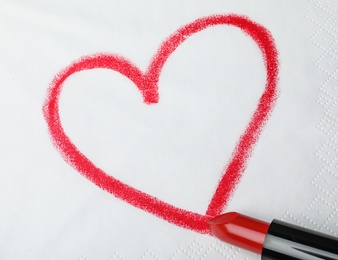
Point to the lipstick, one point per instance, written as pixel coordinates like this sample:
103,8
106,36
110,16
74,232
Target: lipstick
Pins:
275,240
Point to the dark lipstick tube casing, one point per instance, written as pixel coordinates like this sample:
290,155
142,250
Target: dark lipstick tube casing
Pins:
275,241
287,241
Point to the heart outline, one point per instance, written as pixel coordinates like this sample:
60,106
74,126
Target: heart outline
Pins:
147,83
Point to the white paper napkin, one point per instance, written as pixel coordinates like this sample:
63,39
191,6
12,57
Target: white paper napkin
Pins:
175,150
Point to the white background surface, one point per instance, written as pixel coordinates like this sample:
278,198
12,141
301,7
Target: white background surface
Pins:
49,211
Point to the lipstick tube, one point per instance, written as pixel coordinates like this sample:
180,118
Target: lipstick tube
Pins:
275,241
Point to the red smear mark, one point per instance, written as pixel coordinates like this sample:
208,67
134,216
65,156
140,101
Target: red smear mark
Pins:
147,84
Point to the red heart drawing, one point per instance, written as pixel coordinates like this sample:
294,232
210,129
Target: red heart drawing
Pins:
147,82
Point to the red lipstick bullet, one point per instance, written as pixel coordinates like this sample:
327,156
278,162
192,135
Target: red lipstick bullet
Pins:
275,241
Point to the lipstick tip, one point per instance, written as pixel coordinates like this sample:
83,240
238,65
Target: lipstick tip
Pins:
223,219
239,230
